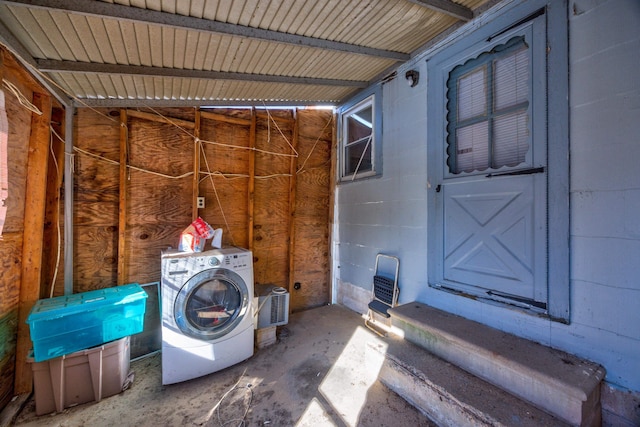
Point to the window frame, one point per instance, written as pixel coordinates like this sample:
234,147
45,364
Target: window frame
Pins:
370,98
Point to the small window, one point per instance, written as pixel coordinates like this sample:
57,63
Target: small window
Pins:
360,134
488,110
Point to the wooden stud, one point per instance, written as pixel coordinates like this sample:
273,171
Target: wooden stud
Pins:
122,203
252,180
156,118
285,120
196,164
34,211
293,167
226,119
55,178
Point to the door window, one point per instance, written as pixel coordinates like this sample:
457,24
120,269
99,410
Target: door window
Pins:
487,118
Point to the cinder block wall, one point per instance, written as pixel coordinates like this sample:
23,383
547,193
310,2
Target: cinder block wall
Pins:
388,213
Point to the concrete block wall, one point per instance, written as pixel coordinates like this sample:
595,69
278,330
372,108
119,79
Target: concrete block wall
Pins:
388,213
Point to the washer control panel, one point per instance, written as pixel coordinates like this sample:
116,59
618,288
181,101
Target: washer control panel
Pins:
241,260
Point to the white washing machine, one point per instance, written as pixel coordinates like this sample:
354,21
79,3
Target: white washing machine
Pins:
207,322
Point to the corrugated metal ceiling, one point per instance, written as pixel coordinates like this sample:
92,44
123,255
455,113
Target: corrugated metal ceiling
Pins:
208,52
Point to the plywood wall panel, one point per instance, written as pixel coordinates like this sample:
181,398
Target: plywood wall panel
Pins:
232,194
224,158
96,199
226,198
313,191
159,207
271,199
8,322
18,145
150,143
158,199
95,258
144,246
10,265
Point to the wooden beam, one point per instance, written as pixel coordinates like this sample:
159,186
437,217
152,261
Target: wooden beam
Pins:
226,119
34,211
293,167
52,242
252,179
266,116
196,165
122,203
160,119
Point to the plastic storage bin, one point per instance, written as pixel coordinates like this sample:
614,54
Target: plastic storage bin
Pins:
65,324
81,377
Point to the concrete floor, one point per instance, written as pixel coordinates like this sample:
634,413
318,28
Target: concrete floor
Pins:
315,375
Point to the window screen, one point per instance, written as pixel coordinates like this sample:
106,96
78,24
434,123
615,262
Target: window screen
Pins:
488,109
358,140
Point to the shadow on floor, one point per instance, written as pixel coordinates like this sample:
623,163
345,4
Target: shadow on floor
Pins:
315,375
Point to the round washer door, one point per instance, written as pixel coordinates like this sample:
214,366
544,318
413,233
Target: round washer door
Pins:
211,304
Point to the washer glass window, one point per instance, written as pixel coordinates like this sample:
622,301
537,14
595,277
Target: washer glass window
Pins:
211,304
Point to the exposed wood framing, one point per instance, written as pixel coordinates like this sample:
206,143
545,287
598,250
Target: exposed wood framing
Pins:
160,119
123,191
293,166
252,180
267,116
69,119
34,212
226,119
196,165
53,216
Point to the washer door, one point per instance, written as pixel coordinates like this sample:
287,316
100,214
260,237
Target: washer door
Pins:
211,304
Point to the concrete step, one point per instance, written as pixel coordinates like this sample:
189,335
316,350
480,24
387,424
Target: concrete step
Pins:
559,383
445,393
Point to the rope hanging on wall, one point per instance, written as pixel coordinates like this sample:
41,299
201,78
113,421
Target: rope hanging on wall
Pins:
21,98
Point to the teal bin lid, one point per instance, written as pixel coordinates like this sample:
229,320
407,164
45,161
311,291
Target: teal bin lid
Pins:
66,305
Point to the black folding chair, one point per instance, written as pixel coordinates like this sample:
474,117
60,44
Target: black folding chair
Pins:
385,294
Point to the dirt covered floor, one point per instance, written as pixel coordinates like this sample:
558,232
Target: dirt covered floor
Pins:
316,374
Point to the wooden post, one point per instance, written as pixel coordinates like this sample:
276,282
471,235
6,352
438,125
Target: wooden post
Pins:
34,211
52,242
196,165
252,174
122,204
293,167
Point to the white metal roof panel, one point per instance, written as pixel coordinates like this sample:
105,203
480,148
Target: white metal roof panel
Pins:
80,31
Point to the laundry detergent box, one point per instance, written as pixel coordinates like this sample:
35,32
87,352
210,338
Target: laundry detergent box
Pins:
65,324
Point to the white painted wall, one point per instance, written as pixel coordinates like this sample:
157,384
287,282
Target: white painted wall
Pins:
388,214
